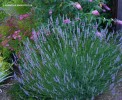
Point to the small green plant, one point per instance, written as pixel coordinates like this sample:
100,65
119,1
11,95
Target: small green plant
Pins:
2,14
4,70
15,7
68,62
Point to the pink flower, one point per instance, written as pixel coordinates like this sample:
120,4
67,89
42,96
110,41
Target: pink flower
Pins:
16,35
90,0
118,22
50,12
1,35
9,37
67,21
103,10
99,34
106,7
5,43
26,15
96,13
78,6
21,17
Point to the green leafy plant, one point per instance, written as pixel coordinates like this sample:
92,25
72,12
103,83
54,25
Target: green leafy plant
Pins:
4,70
15,7
39,14
43,9
67,62
13,31
15,26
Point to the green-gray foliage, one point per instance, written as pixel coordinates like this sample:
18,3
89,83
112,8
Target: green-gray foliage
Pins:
68,62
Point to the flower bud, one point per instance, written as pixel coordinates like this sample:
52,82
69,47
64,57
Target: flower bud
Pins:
78,6
106,7
118,22
95,12
90,0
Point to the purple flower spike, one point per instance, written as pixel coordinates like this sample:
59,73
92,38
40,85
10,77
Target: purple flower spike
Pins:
99,34
106,7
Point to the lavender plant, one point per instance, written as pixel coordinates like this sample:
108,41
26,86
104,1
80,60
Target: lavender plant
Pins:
70,63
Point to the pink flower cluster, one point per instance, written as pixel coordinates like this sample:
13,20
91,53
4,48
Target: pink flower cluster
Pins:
24,16
16,35
95,12
5,43
104,6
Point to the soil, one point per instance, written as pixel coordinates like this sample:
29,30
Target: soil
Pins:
4,95
114,94
3,92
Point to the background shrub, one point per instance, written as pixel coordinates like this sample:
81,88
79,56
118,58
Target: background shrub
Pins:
38,14
45,8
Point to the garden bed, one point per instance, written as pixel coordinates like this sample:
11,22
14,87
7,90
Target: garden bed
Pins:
64,50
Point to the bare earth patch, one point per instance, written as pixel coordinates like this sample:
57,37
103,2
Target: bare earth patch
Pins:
3,92
114,94
4,95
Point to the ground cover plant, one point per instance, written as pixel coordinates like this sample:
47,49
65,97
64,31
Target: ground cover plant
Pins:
68,63
4,70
